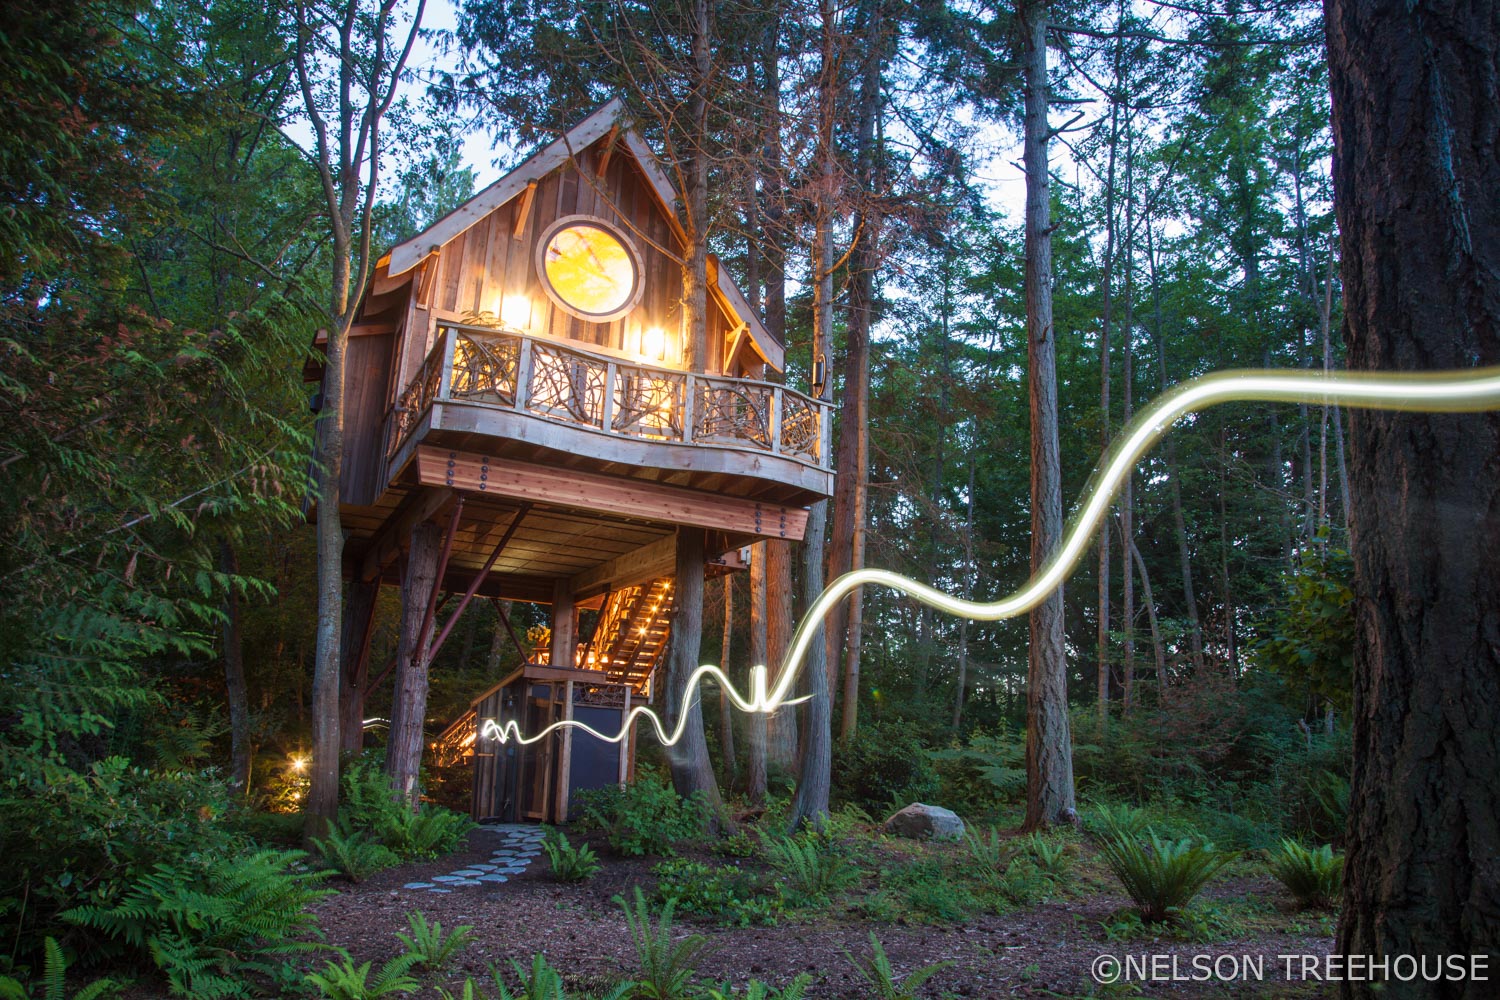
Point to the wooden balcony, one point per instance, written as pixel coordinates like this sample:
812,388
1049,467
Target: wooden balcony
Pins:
496,391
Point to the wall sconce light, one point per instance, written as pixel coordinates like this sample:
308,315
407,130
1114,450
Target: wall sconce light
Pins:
654,343
819,372
516,312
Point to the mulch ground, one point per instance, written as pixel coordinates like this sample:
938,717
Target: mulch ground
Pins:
1042,951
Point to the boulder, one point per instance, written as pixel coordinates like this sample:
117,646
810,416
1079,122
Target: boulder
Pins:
923,822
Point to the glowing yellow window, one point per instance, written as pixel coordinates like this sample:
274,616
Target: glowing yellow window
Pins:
589,268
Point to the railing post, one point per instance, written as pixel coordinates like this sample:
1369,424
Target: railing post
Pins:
775,420
523,374
825,431
445,377
608,416
688,407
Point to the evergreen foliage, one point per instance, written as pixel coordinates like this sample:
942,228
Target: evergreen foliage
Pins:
1314,876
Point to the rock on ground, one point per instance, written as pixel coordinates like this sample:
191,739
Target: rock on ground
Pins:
920,821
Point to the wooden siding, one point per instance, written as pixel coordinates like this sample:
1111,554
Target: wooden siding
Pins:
486,270
367,391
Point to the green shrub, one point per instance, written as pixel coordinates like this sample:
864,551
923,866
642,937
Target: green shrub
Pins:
878,973
352,853
1161,876
1313,877
926,887
541,982
724,893
813,866
428,946
75,837
208,923
343,980
667,966
882,766
54,980
982,774
1103,818
739,844
569,863
646,817
428,832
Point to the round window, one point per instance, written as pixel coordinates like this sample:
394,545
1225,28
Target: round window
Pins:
589,268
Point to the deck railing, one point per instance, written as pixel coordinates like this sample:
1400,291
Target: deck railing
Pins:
545,379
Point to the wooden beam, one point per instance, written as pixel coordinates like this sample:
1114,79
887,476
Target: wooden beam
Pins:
564,625
648,562
609,150
385,546
636,498
510,530
523,210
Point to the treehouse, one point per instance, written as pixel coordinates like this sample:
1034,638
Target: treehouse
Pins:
520,425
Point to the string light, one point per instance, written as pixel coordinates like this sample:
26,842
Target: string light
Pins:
1437,392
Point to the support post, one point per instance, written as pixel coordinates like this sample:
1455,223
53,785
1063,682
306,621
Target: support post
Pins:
409,703
565,756
564,625
359,626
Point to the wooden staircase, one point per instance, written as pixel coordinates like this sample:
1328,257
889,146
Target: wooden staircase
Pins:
632,634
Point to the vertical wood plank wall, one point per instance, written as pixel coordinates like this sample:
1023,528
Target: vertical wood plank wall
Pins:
484,268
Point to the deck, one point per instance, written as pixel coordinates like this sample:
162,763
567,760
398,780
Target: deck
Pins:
505,394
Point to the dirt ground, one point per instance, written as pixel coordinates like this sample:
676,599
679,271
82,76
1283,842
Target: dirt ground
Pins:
1041,951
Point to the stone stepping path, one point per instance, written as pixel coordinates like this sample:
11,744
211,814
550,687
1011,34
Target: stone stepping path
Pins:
520,845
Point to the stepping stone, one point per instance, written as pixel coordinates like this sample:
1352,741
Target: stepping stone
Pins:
447,878
417,885
494,877
439,890
467,881
467,873
484,868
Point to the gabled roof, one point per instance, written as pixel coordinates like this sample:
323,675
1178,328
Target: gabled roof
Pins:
404,256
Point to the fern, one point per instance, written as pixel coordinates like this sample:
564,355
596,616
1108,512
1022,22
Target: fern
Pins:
814,869
569,863
990,853
353,854
344,980
757,990
1161,876
882,977
53,982
429,946
666,965
206,924
1052,859
1314,877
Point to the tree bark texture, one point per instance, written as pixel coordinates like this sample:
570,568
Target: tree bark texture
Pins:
403,755
726,709
755,724
688,758
1416,169
1049,750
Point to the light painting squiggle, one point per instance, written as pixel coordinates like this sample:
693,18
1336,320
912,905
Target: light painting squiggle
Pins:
1438,392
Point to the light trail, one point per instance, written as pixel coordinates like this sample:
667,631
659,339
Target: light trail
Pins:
1437,392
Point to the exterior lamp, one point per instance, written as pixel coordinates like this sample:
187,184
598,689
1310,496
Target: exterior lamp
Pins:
516,312
819,371
654,343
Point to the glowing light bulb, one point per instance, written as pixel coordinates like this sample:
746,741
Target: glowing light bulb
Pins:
516,312
654,343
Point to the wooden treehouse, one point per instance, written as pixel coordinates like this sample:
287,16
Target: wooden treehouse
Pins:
520,425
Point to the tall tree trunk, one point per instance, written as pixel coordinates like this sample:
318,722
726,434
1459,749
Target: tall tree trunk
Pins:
1414,94
1106,282
755,724
1127,404
1049,750
1174,479
726,709
1158,652
853,415
688,758
810,803
781,727
963,625
403,755
235,690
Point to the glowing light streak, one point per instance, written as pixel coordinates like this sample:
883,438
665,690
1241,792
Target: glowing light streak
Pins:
1436,392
